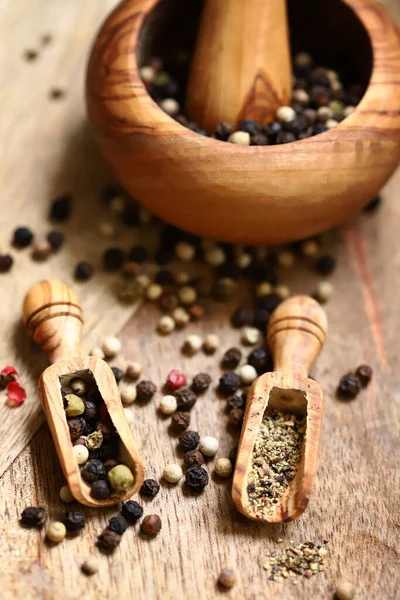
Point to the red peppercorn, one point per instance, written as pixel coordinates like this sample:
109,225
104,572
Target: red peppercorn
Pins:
176,379
15,393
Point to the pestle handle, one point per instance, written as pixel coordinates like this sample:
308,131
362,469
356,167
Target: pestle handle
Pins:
53,318
241,65
296,334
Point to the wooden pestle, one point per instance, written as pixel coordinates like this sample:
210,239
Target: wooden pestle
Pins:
241,65
296,334
53,317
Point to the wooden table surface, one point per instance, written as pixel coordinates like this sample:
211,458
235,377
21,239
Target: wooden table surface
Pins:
356,501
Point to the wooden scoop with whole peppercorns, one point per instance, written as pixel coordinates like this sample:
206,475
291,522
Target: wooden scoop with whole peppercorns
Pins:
53,317
278,449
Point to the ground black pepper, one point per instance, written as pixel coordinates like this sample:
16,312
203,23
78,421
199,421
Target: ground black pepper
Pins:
193,458
131,511
6,262
189,440
74,520
22,237
228,383
33,516
118,524
108,540
201,383
145,390
100,490
151,525
196,478
349,387
83,271
93,470
231,358
60,208
150,488
180,421
185,398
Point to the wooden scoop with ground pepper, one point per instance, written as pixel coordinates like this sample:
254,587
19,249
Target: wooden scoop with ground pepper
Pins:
278,449
81,401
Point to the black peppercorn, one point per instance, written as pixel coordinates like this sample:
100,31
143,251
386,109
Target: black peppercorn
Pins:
151,525
325,265
33,516
164,277
252,127
55,239
263,271
180,421
163,256
131,511
285,137
236,416
349,386
113,259
83,271
74,520
296,126
228,383
231,358
223,131
100,490
269,302
196,478
364,374
118,373
22,237
108,540
77,427
109,451
138,254
232,455
201,383
373,205
272,130
145,390
193,458
130,216
259,139
319,128
261,319
93,470
238,400
189,440
185,398
60,208
6,262
241,317
118,524
261,360
150,488
90,411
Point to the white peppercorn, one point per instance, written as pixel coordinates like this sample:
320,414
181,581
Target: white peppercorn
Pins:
192,344
336,86
81,454
310,248
129,415
286,259
223,467
65,494
143,280
90,565
166,324
154,291
285,114
147,74
250,336
324,291
181,317
263,289
56,532
98,352
240,137
282,290
170,106
208,445
78,386
215,256
211,343
108,229
345,590
349,110
247,374
185,251
243,260
133,370
128,393
172,473
331,123
301,96
111,346
187,295
324,113
181,277
168,405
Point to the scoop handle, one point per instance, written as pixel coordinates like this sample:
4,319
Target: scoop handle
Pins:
241,64
296,333
53,318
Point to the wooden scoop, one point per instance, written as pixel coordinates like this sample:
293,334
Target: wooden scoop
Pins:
53,317
296,334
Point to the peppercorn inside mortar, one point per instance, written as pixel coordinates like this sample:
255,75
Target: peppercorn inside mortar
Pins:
96,443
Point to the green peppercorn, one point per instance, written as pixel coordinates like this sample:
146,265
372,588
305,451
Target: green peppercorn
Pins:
75,406
120,478
94,440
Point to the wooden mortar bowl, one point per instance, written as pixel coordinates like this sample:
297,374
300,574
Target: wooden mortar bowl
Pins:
248,194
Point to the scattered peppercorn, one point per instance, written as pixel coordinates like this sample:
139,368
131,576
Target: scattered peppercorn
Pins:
233,455
172,473
185,398
364,374
228,383
60,208
201,382
118,524
138,254
22,237
74,520
90,565
193,458
349,387
223,467
231,358
196,478
345,590
83,271
145,390
175,379
131,511
238,400
325,265
118,373
227,578
108,540
236,416
33,516
6,262
151,525
241,317
55,239
261,360
150,488
180,421
113,259
189,440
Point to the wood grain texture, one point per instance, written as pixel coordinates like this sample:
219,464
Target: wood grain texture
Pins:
53,317
296,335
355,502
254,194
241,66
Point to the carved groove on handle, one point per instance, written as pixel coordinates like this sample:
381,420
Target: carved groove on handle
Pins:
51,304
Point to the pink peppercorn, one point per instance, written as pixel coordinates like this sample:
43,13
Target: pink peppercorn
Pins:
15,393
9,371
176,379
